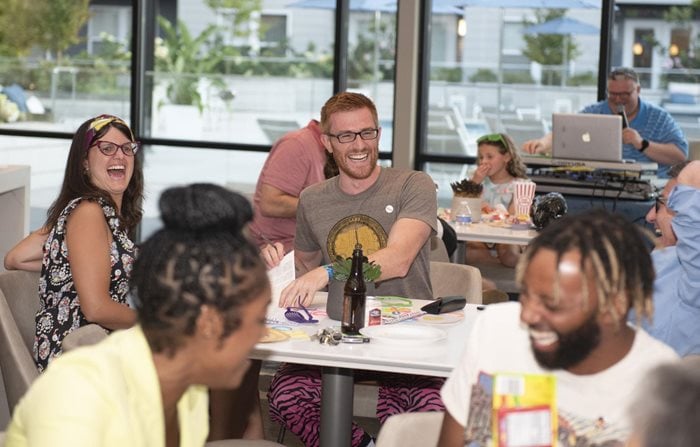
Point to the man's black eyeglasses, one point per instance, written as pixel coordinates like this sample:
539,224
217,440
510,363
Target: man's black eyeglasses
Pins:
349,137
660,200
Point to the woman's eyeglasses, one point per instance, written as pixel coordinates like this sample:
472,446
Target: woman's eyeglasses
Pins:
292,314
108,148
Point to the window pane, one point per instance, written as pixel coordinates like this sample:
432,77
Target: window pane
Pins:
46,158
250,71
506,75
169,166
372,60
443,174
658,40
66,73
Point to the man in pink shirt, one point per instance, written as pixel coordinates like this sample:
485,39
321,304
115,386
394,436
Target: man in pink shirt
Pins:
295,162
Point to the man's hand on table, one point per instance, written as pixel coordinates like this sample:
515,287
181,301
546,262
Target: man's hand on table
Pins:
303,289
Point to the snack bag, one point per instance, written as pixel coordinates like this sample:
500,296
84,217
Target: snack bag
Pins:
524,410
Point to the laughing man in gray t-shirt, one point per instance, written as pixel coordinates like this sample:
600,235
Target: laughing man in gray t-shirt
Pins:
392,211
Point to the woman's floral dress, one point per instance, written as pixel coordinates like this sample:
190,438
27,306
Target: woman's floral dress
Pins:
60,305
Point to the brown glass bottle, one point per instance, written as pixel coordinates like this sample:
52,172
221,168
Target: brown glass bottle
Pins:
355,296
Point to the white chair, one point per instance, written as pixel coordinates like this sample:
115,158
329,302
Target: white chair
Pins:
411,430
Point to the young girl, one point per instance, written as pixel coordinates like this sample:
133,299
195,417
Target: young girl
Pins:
499,165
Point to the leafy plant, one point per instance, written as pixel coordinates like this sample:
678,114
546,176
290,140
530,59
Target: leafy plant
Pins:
467,188
186,58
341,269
483,75
549,49
9,112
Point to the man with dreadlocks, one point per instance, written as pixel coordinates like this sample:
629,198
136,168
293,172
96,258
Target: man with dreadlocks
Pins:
578,280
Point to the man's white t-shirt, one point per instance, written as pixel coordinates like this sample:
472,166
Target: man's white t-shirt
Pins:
592,408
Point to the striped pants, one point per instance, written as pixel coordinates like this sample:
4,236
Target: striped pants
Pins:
295,399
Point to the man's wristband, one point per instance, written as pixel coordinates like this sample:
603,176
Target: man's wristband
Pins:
645,145
329,270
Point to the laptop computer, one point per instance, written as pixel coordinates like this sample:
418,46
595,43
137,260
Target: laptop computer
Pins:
587,137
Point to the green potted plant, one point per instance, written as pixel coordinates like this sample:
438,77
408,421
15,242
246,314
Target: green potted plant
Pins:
469,191
186,59
336,286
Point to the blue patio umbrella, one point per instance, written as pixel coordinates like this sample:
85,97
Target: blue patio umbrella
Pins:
355,5
545,4
377,7
389,6
523,4
563,26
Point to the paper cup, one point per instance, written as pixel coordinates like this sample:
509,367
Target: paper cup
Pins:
523,195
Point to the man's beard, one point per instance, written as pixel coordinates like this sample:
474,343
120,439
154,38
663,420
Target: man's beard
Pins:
573,347
355,172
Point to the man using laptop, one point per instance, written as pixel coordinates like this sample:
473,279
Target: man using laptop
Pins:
651,135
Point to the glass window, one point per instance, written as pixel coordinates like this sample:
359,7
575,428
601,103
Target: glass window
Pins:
514,68
240,73
68,70
46,158
445,173
642,51
108,25
657,40
513,36
274,39
170,166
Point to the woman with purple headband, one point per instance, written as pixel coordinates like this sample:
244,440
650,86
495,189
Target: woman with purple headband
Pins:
84,250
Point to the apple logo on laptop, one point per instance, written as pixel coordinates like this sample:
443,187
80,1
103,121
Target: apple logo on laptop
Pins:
586,137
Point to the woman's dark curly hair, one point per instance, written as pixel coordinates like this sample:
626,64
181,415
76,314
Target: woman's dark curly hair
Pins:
200,257
76,183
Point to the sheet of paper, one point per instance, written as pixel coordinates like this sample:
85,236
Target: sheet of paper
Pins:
280,277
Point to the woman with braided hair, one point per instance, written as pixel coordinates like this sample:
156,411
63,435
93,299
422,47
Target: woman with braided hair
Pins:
200,291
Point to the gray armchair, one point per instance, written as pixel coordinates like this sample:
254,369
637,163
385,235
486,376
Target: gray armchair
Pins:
19,302
456,279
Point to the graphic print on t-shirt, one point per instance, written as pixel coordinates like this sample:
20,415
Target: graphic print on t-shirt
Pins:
352,229
573,430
